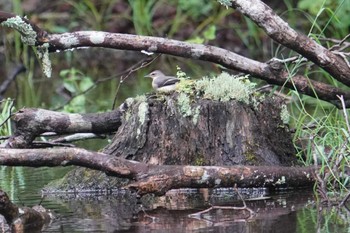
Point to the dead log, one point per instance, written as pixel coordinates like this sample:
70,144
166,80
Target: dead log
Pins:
24,218
158,179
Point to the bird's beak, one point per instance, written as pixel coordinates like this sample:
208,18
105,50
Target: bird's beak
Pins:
147,76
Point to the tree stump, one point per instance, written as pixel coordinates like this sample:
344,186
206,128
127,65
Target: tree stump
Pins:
166,129
211,122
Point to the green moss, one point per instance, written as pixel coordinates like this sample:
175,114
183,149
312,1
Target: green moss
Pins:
226,87
250,156
180,74
28,36
186,86
199,161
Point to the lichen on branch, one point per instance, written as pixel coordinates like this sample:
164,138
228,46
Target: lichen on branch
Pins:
43,55
28,34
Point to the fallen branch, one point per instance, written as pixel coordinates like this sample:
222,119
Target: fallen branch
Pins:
31,122
159,179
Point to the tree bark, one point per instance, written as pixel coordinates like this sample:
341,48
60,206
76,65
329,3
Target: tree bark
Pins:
207,132
31,122
158,179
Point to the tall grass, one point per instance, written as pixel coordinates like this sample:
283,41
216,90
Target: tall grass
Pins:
322,132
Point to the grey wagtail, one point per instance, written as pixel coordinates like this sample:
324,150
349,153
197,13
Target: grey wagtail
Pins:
161,82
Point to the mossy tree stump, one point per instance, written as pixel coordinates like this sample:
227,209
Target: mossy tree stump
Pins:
180,129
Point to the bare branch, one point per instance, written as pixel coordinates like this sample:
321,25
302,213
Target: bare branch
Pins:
279,30
31,122
231,60
159,179
6,83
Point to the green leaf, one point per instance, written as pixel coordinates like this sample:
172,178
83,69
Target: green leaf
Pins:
70,87
196,40
85,84
210,33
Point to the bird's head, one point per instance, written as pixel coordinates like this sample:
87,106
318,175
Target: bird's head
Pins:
154,74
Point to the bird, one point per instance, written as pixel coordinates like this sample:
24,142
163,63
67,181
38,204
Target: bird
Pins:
161,82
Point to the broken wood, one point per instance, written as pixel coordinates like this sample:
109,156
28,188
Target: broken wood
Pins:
21,219
31,122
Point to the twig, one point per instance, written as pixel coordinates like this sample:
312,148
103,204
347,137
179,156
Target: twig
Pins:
339,43
147,215
41,144
129,72
244,207
77,137
6,83
341,98
345,199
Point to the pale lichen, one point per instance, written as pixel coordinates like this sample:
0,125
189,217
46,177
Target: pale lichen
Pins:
142,112
184,104
226,87
133,101
142,115
226,3
97,37
43,55
196,114
281,180
28,35
139,98
285,116
68,40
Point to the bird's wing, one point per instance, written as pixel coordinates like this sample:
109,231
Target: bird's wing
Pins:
167,81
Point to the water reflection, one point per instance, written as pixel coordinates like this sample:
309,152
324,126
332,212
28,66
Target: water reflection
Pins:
122,211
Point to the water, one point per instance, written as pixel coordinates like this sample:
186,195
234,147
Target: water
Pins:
178,211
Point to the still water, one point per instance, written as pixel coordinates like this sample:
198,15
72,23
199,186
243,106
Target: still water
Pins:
178,211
